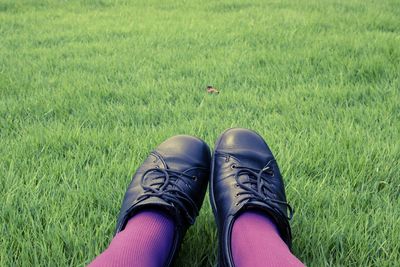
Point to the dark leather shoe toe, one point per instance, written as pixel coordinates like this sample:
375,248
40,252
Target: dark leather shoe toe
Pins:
240,138
173,179
245,176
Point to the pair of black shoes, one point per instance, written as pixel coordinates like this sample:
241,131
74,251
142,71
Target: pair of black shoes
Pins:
243,176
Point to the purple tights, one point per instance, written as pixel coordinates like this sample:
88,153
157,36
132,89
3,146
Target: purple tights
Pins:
255,242
147,240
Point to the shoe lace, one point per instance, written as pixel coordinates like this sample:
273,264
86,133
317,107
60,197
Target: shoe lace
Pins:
257,185
169,190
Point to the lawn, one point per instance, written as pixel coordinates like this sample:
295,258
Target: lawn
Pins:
88,88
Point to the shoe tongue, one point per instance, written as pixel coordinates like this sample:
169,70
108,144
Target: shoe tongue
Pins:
162,163
179,163
157,204
154,177
154,201
253,159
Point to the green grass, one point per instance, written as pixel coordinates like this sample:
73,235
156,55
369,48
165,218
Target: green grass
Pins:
88,88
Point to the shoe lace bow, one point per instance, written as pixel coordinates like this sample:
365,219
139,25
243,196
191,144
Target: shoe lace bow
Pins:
164,185
257,186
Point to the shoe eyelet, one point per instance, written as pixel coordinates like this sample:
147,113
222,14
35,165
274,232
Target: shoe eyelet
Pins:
236,185
157,167
194,178
227,158
233,166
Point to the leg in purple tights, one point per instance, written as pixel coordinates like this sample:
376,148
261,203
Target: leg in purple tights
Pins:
256,242
146,241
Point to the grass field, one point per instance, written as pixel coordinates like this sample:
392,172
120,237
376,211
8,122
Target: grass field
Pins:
88,88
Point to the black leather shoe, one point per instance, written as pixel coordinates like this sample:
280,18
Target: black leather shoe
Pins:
173,179
245,176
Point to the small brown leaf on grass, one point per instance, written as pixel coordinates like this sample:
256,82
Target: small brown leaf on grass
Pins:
211,90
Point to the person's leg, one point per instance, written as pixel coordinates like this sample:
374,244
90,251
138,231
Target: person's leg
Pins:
256,242
145,241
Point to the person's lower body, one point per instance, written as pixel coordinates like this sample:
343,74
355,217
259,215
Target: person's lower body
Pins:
166,193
